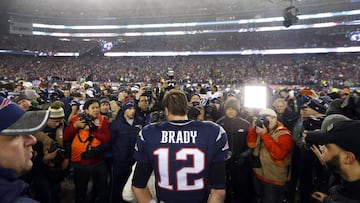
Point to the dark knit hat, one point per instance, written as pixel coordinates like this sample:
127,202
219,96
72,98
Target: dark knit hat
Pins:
105,100
232,102
56,111
127,102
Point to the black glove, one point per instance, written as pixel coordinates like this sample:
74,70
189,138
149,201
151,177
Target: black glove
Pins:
244,156
90,153
241,160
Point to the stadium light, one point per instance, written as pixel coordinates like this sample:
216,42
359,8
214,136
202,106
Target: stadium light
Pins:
290,16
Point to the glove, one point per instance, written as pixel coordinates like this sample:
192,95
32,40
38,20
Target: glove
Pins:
241,160
244,157
90,153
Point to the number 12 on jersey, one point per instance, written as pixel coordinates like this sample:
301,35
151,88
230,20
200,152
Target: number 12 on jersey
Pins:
184,154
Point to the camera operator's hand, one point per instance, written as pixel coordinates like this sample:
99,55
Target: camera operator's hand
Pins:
241,160
48,156
319,152
261,130
139,93
80,123
319,196
254,118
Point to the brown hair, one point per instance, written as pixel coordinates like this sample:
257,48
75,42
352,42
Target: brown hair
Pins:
176,102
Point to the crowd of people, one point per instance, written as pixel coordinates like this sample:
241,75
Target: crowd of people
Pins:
175,129
272,154
290,39
336,70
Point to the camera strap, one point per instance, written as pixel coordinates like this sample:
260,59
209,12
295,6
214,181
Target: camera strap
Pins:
259,149
86,140
89,139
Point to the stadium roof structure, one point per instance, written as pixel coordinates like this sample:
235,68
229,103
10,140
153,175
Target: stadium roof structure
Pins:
169,8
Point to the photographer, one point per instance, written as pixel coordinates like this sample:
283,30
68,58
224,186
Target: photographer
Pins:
340,153
52,157
195,110
313,176
239,187
90,135
271,143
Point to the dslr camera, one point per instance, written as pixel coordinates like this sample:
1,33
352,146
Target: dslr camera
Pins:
262,121
194,110
89,121
55,146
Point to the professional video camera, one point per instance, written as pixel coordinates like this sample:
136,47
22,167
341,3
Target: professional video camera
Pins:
89,121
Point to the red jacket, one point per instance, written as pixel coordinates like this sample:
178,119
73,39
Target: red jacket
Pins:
274,151
101,135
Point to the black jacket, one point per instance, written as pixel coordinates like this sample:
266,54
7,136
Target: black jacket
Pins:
347,192
236,130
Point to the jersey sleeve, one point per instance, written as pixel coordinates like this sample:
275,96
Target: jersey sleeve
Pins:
140,152
221,146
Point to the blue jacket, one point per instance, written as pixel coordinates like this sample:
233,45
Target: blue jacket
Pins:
123,139
12,189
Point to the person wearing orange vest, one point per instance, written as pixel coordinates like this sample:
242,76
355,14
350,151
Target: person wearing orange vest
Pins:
90,135
271,143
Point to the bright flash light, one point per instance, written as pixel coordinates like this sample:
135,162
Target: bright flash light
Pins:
255,97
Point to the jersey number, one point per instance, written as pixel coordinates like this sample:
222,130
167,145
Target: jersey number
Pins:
184,154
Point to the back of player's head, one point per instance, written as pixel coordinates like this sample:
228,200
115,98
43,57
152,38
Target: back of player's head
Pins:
176,102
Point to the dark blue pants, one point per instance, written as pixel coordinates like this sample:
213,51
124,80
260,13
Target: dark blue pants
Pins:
269,193
120,175
99,174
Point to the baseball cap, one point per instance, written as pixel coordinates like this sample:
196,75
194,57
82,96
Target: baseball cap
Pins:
15,121
345,134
